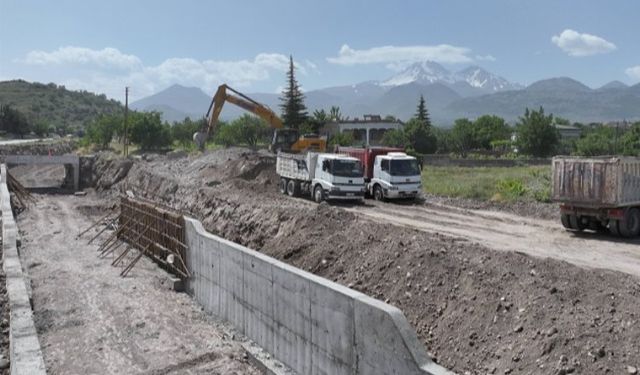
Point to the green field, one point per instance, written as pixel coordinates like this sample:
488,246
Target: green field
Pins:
489,183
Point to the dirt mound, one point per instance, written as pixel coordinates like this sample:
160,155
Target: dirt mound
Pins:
477,310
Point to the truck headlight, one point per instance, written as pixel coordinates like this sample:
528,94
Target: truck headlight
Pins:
393,188
335,188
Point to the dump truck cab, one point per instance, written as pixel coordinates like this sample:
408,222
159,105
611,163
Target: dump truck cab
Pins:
339,176
395,175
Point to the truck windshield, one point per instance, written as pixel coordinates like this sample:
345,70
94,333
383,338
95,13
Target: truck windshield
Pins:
347,168
406,167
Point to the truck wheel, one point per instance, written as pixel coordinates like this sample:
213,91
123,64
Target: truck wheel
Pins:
292,188
629,226
318,194
283,185
576,223
614,227
378,194
564,218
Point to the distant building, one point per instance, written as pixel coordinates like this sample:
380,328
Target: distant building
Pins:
367,131
568,131
623,125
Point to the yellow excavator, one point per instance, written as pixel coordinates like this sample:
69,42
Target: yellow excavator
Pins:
283,139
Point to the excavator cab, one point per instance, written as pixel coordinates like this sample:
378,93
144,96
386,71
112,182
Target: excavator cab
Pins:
283,140
289,140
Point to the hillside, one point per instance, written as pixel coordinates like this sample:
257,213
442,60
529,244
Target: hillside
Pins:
54,104
563,97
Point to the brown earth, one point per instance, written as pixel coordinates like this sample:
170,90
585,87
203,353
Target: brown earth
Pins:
482,297
92,321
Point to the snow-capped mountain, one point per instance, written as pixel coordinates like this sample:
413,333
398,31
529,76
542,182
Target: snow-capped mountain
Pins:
425,72
477,77
467,82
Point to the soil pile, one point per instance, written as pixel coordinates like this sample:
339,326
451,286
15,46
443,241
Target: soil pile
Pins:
477,310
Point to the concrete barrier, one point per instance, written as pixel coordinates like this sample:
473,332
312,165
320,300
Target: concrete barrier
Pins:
25,354
311,324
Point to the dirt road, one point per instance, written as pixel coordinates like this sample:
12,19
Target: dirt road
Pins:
92,321
509,232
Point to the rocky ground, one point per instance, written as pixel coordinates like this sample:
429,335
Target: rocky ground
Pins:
477,298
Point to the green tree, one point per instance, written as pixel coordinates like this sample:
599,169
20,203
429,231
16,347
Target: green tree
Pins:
294,112
490,128
250,130
536,134
419,136
444,140
40,128
100,131
631,140
341,139
226,135
597,141
182,132
422,113
395,138
13,121
335,114
148,131
463,136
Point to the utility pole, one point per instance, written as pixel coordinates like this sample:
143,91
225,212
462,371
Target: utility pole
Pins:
125,146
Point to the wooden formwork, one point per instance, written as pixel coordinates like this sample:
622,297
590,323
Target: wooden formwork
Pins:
156,232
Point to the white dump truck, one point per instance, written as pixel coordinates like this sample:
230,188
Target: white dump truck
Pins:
389,173
601,193
321,176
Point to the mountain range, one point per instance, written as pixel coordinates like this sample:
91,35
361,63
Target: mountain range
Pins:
470,92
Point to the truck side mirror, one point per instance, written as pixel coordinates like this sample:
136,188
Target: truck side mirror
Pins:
325,165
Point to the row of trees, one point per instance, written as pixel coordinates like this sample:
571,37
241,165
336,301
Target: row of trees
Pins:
535,134
15,122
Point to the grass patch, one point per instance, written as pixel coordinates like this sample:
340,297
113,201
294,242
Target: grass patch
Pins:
489,183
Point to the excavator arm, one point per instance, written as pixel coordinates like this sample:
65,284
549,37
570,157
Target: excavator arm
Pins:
283,139
223,95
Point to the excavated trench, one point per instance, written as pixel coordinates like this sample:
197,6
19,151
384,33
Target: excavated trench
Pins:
477,310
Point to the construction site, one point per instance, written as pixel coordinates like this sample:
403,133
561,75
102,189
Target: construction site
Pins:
189,264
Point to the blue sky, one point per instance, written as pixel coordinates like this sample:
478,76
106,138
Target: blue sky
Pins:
102,46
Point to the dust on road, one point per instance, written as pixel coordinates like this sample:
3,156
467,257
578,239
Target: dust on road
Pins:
92,321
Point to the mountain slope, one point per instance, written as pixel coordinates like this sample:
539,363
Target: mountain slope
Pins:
563,97
54,104
176,102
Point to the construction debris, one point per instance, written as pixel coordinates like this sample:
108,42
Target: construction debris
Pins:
21,196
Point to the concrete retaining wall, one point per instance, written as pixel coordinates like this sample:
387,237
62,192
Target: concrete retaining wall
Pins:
25,354
309,323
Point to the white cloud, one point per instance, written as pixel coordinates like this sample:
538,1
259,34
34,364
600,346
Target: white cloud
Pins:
97,73
578,45
105,58
485,58
442,53
633,72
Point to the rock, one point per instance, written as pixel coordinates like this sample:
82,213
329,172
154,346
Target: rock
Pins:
632,370
518,329
551,331
4,364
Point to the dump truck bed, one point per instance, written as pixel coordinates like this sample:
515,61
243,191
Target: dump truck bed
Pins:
296,166
596,182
